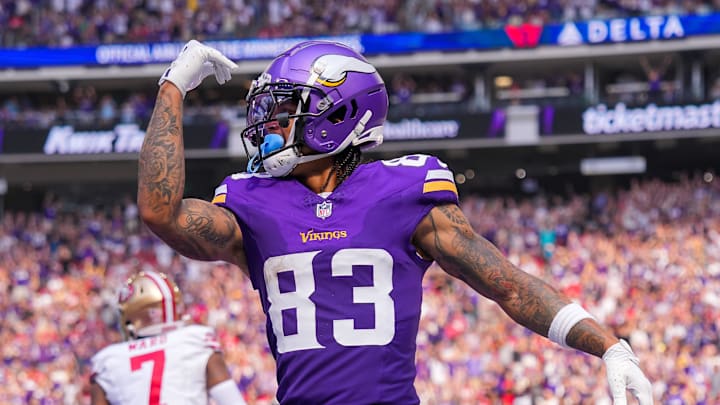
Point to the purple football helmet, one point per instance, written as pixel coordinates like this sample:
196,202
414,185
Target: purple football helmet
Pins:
336,96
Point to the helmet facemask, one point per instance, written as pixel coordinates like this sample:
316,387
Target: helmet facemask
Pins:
272,106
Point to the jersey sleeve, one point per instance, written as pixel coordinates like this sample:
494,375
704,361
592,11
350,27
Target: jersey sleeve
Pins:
428,181
221,193
202,337
237,193
421,182
438,184
101,368
434,186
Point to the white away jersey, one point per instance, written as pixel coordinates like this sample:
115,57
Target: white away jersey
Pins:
165,369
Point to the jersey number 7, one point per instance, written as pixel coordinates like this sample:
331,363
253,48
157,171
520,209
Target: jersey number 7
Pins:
158,364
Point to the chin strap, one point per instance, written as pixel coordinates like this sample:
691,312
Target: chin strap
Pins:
281,163
253,164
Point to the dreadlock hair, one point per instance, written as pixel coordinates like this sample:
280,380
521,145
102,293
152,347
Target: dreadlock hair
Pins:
344,164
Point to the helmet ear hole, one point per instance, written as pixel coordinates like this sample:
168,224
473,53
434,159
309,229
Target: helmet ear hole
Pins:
338,116
353,112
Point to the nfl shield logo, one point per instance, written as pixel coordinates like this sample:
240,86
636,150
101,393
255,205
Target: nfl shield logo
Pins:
323,210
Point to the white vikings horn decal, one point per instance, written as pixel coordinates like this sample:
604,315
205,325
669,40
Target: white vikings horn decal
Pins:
332,69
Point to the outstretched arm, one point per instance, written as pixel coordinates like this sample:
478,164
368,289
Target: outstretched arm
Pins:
446,236
195,228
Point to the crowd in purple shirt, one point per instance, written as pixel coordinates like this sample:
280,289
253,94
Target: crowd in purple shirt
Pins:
644,260
83,22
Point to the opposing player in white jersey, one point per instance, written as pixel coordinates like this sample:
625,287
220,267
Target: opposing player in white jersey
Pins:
164,360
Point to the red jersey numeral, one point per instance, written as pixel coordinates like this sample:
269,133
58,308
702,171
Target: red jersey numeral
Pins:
158,360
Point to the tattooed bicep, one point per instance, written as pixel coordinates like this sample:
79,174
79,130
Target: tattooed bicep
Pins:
454,215
442,231
207,222
206,232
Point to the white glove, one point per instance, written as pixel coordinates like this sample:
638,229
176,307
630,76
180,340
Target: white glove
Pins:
194,63
623,372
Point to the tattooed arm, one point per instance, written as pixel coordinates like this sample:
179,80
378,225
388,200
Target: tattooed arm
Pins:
195,228
446,236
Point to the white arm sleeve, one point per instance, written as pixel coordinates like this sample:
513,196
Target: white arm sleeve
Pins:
226,393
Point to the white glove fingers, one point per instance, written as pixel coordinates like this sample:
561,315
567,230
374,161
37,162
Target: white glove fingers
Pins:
221,60
222,74
195,62
642,390
624,373
207,70
644,399
221,64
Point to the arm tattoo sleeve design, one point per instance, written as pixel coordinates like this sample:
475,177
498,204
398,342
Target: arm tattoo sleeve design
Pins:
198,222
195,228
161,174
202,231
528,300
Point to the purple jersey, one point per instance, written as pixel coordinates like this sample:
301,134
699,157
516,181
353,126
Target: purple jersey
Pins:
339,278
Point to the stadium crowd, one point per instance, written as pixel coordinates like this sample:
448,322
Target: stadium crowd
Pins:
82,22
645,260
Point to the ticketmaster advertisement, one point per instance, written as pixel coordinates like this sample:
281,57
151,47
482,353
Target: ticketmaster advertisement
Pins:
621,119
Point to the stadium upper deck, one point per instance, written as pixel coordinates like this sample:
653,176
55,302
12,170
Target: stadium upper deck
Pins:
66,23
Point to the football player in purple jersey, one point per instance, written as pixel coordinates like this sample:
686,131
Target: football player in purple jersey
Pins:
337,248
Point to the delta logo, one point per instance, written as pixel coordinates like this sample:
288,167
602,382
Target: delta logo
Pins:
312,236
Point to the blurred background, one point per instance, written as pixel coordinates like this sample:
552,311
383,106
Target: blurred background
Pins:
584,136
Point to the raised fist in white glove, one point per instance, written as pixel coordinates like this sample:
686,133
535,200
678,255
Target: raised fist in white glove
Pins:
194,63
623,373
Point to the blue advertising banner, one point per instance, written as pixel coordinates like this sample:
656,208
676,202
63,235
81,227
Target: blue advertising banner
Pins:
620,30
519,36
